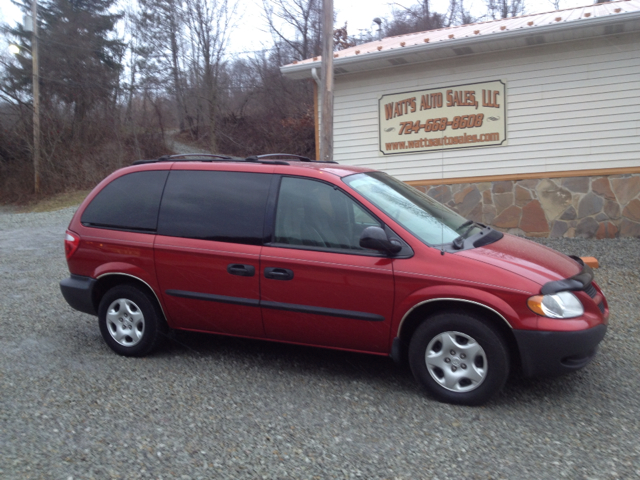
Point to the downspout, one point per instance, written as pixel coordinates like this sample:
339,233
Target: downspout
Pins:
316,90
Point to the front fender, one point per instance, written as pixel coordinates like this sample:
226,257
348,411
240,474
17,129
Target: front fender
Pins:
460,294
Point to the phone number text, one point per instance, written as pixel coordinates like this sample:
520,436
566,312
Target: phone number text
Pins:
440,124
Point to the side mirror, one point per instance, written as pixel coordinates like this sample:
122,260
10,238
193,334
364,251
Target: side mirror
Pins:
375,238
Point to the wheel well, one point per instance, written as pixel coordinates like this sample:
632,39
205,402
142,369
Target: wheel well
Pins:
423,312
107,282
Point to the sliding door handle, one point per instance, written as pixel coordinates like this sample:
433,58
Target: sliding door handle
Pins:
241,270
275,273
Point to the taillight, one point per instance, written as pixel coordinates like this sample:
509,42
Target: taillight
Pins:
71,244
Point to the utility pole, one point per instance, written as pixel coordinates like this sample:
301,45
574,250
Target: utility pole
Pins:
36,97
326,121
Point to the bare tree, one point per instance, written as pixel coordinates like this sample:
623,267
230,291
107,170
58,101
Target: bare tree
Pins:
555,3
464,16
420,17
341,38
504,8
160,25
209,23
297,24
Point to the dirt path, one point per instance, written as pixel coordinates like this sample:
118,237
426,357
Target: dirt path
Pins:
180,147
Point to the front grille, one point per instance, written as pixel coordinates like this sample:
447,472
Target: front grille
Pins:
591,290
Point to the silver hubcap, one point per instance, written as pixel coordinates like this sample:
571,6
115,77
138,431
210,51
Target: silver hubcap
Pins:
456,361
125,322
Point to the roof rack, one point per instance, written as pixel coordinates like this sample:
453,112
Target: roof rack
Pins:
202,156
257,159
288,156
185,157
207,157
269,158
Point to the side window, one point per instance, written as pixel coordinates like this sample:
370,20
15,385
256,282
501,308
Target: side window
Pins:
130,202
314,214
220,206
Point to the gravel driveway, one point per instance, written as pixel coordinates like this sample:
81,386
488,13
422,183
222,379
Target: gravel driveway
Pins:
213,407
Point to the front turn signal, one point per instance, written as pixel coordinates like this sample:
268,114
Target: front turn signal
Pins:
591,261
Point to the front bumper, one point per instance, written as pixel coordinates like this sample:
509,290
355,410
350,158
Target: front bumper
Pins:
78,292
555,353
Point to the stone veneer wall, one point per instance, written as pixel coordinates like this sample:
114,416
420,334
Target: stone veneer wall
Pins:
586,207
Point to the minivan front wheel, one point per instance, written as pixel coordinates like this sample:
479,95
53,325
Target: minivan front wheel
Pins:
458,358
130,322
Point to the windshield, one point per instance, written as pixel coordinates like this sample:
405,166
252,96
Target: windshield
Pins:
424,217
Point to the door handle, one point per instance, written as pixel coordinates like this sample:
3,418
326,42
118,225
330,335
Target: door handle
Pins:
241,270
278,273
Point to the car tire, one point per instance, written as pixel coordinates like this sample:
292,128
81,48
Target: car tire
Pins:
131,321
459,358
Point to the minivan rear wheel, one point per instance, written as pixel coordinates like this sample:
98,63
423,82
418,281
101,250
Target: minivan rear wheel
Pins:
130,321
459,358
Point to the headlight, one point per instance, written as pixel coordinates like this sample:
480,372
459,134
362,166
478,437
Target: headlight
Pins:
558,305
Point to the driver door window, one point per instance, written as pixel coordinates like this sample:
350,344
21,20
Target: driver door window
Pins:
315,214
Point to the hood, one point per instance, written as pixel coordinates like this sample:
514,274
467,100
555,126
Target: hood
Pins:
528,259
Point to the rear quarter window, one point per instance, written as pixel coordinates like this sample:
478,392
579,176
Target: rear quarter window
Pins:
130,202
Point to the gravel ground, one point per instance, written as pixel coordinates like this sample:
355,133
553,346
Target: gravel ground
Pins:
213,407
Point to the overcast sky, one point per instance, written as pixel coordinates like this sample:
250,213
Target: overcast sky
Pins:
251,34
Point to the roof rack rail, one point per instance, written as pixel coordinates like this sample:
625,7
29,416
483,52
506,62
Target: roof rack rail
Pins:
290,156
199,155
185,157
258,159
269,158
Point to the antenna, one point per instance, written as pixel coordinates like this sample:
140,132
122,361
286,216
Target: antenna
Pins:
442,178
442,209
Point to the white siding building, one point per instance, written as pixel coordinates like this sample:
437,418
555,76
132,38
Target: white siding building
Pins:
566,160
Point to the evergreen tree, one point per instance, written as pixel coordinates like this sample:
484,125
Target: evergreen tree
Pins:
80,56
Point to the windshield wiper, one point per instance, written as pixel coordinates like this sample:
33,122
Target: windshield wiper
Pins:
458,243
465,224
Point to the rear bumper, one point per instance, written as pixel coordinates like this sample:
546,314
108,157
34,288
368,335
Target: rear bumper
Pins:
78,292
555,353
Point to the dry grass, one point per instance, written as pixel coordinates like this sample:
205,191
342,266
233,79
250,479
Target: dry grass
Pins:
55,202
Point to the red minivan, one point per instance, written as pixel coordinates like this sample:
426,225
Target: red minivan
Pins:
281,248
